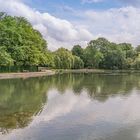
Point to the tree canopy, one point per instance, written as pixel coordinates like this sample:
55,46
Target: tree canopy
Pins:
22,45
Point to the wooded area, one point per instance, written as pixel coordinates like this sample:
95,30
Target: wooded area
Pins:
23,46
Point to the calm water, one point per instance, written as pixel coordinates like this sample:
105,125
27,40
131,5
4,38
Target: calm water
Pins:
71,107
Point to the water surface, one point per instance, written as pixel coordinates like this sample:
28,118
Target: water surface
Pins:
71,107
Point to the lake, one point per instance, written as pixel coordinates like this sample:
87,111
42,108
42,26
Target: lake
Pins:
71,107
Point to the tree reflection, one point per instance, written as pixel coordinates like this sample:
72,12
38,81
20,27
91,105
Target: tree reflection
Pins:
21,99
97,86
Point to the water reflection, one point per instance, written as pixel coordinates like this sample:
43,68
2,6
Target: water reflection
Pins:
71,106
19,101
98,87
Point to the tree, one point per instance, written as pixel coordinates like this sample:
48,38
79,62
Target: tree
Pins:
114,60
63,59
77,50
17,31
92,54
138,48
128,49
5,58
137,62
78,63
48,59
129,63
23,44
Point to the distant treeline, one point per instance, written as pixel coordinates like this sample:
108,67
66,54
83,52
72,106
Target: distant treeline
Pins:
23,46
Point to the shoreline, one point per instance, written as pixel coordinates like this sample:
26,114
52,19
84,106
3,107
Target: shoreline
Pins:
25,75
98,71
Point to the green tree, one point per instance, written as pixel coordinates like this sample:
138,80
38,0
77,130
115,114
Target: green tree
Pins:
63,59
78,63
138,48
114,60
23,44
92,55
5,58
77,50
137,62
47,59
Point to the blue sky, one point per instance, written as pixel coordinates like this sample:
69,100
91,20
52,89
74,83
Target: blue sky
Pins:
64,23
44,5
61,8
53,6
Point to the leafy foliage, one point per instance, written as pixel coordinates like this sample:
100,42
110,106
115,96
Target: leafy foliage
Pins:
21,45
5,58
63,59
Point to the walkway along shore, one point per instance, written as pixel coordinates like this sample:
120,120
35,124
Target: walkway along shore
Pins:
53,72
25,74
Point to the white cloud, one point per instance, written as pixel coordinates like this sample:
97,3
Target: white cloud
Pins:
56,31
116,24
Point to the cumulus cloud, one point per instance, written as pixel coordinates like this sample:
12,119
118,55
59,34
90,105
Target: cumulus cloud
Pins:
117,24
56,31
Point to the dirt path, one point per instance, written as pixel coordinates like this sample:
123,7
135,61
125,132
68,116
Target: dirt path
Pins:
25,74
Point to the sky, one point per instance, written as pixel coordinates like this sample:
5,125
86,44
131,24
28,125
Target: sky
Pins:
64,23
